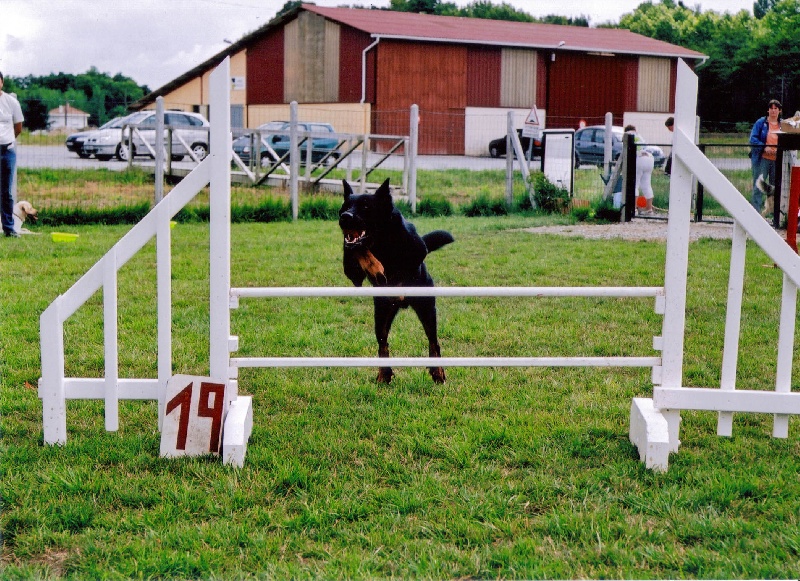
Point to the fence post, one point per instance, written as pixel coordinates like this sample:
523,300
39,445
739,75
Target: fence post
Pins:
159,144
608,146
413,143
294,160
509,159
629,156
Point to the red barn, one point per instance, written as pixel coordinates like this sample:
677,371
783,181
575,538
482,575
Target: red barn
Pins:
362,69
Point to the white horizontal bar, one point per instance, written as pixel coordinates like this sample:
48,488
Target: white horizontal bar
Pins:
438,291
722,400
445,361
94,388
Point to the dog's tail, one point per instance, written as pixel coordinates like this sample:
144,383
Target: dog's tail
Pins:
764,186
436,239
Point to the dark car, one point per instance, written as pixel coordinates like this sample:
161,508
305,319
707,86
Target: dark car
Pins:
590,145
267,134
497,147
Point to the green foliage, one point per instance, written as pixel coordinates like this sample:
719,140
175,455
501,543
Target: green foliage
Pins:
73,216
319,208
604,211
485,205
99,94
582,214
549,198
435,205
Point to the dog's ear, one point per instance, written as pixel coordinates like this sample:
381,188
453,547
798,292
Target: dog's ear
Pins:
383,196
348,191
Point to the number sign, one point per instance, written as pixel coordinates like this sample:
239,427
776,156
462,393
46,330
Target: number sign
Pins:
193,416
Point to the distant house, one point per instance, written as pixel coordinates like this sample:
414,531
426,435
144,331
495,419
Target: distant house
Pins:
67,116
362,69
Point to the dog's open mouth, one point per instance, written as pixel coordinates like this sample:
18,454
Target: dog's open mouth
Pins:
354,237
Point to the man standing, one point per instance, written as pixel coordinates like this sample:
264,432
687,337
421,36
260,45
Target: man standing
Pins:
10,127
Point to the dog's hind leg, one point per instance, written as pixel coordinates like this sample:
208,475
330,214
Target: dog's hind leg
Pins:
385,311
425,307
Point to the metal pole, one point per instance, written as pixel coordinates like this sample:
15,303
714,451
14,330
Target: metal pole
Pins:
509,159
413,143
159,144
294,160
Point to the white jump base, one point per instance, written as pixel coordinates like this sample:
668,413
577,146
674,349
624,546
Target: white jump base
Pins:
654,422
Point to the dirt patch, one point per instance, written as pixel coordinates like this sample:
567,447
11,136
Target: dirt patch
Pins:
636,229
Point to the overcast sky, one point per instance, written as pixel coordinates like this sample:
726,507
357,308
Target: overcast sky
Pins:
154,41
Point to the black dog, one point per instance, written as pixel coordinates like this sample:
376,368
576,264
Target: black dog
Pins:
379,244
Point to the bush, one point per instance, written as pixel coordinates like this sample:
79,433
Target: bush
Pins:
549,197
485,205
605,211
319,208
582,214
435,206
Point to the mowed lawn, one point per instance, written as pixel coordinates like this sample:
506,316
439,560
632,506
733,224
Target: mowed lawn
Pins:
501,472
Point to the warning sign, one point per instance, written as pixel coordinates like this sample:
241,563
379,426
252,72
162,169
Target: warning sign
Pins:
532,127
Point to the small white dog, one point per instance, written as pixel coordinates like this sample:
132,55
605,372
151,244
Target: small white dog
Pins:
24,211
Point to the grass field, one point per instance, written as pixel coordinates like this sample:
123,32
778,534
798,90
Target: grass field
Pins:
502,473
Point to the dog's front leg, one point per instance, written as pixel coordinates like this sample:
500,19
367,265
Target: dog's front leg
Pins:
425,307
385,311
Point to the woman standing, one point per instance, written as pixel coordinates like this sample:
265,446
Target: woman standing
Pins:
763,153
644,174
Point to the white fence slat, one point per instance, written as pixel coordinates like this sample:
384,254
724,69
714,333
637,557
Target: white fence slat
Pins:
445,361
443,291
783,377
111,341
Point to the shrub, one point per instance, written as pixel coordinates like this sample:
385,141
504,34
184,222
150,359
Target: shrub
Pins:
319,208
549,198
604,211
435,206
582,214
485,205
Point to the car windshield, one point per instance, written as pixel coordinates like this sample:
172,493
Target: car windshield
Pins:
115,122
272,125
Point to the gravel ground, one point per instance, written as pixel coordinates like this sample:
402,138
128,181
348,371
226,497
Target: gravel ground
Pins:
636,229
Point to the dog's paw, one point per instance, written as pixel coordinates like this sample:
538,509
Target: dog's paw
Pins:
384,375
437,373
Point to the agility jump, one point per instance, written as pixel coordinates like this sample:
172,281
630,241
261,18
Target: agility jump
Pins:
654,423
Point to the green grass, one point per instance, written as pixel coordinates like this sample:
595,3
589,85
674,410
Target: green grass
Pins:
511,473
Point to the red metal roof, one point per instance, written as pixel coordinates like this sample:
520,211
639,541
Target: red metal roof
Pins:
425,27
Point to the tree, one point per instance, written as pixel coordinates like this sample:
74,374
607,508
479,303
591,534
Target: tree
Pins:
761,7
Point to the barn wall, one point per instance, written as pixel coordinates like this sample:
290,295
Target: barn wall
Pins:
585,87
434,76
311,60
351,46
483,76
653,80
519,76
265,69
345,117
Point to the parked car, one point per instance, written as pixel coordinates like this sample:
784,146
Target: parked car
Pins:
105,142
497,147
192,128
76,141
275,134
590,145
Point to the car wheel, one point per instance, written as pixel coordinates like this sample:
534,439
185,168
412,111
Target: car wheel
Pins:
124,152
177,157
493,151
84,155
200,151
578,161
103,157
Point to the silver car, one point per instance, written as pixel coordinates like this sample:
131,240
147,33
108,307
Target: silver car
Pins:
105,142
190,131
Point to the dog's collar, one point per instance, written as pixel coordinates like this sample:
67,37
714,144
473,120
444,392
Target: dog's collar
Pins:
23,217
